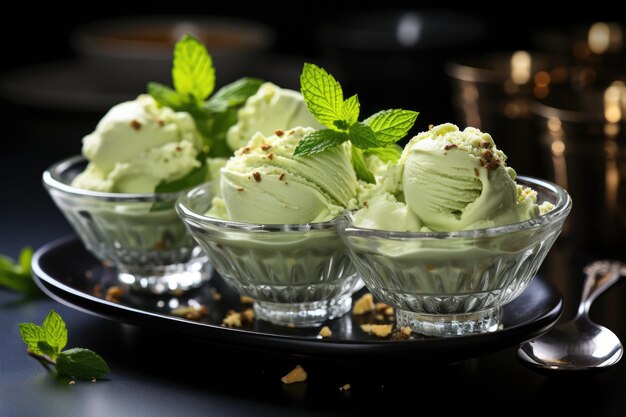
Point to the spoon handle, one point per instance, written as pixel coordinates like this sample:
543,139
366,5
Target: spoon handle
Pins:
600,276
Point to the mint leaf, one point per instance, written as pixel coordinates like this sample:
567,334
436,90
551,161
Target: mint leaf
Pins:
82,364
165,96
216,128
55,331
391,125
322,94
192,72
17,276
47,350
389,153
351,109
233,94
360,168
32,335
25,259
319,141
362,136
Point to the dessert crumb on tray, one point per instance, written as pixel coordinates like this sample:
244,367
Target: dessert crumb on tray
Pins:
297,374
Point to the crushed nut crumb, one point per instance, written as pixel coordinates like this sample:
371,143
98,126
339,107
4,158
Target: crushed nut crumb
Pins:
240,189
389,311
257,176
378,330
135,124
246,150
266,146
271,156
379,317
232,320
244,299
404,333
297,374
279,133
476,172
363,305
325,332
114,294
282,176
160,122
380,307
191,312
450,146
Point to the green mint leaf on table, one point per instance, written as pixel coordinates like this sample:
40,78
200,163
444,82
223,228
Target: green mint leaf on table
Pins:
389,153
46,343
323,96
360,167
17,276
391,125
192,70
55,332
82,364
319,141
32,335
46,349
193,77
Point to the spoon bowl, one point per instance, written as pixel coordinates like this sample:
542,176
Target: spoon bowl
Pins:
579,344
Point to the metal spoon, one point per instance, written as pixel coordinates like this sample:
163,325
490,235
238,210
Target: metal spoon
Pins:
579,344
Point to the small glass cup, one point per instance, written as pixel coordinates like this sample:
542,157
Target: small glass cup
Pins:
140,234
455,283
298,274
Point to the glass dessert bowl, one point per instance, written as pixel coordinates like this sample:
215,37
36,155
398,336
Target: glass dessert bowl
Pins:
455,283
298,274
140,234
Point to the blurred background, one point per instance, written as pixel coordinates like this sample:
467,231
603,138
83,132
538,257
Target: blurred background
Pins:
546,80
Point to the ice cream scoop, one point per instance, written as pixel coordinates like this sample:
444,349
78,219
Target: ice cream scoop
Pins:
136,146
264,183
454,180
271,108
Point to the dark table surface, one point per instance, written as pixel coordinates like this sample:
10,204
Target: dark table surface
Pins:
158,374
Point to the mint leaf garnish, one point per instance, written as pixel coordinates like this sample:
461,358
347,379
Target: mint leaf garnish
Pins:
360,167
391,125
319,141
323,96
233,94
17,276
165,96
351,109
195,176
45,343
82,364
32,335
362,136
55,332
192,71
193,77
387,154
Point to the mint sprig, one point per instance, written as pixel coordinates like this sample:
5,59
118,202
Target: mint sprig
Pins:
323,96
193,77
46,342
17,276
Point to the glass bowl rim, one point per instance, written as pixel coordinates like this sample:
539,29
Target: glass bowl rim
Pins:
52,179
561,210
187,214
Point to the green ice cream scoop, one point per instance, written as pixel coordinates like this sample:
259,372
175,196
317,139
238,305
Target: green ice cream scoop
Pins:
264,183
458,180
137,145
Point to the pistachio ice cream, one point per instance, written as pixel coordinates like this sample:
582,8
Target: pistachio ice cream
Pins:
136,146
270,109
264,183
451,180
